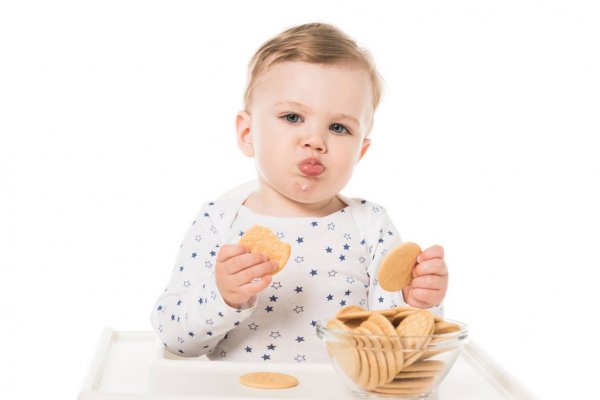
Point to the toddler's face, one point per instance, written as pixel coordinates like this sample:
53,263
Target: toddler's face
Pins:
306,128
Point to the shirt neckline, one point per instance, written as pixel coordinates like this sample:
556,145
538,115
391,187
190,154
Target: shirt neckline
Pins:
277,219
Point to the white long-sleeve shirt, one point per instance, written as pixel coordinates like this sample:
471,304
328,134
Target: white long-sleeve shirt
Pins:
333,263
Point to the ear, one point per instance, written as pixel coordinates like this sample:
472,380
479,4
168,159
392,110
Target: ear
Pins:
365,145
243,122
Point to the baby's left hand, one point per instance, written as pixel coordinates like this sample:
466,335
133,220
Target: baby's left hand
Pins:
430,279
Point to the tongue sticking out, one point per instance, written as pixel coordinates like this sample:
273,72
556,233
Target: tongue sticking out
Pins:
311,169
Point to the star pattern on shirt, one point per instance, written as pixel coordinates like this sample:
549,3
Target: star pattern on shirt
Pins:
247,332
275,334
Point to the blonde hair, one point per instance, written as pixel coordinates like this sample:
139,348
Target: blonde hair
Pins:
316,43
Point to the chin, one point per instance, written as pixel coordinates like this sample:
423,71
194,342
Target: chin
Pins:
310,191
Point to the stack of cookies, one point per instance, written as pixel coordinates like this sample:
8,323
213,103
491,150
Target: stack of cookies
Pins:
390,351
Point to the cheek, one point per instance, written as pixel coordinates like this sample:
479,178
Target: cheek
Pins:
350,156
268,153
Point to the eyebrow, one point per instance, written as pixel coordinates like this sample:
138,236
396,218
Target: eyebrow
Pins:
307,109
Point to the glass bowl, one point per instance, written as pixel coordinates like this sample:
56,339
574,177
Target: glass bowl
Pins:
384,365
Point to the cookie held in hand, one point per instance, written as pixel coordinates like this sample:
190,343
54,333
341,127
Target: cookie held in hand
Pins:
395,271
260,239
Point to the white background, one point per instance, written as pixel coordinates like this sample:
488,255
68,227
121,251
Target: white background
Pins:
117,122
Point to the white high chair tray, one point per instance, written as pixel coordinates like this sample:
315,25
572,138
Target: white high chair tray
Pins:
132,365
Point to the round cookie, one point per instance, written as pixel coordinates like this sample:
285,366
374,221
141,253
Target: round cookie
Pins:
445,327
392,339
395,271
415,331
364,314
268,380
348,309
363,373
343,348
410,383
425,366
420,374
260,239
396,319
382,353
371,366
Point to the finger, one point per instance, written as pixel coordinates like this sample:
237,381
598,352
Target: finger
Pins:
255,286
427,297
251,273
434,266
435,251
230,250
243,261
410,300
429,282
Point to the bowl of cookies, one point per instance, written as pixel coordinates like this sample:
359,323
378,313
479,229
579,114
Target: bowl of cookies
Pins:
402,352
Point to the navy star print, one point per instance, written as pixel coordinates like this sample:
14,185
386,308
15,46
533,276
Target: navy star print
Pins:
331,265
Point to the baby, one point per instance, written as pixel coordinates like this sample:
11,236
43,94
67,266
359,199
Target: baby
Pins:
308,112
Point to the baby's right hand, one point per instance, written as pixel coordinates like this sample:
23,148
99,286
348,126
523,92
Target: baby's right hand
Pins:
236,273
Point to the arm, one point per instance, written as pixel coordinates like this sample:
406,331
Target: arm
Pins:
191,316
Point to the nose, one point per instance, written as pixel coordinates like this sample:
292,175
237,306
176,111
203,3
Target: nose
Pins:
315,141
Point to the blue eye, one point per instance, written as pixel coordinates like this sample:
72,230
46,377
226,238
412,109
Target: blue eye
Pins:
293,118
338,128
